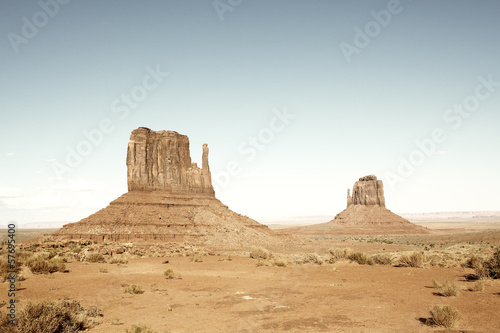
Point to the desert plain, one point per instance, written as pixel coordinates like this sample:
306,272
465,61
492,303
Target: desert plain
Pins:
299,289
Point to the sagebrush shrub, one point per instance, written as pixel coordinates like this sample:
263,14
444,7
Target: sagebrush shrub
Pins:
260,253
415,259
445,315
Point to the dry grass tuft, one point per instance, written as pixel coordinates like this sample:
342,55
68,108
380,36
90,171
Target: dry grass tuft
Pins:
382,259
118,261
134,290
339,254
260,253
361,258
170,274
139,329
478,286
444,315
60,316
42,265
415,259
448,288
94,257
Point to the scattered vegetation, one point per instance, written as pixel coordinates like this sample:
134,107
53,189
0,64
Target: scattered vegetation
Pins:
94,257
133,289
139,329
42,265
487,268
103,270
118,261
279,262
51,317
339,254
478,286
260,253
448,288
444,315
5,268
382,259
361,258
170,274
195,258
415,259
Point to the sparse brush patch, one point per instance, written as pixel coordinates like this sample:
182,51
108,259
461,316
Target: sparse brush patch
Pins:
139,329
444,315
5,268
339,253
260,253
474,262
103,270
478,286
118,261
436,284
40,265
76,249
361,258
382,259
448,289
415,259
195,258
133,289
260,263
60,316
492,265
170,274
94,257
279,262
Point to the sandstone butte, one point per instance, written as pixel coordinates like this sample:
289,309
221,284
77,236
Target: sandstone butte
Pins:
365,214
169,198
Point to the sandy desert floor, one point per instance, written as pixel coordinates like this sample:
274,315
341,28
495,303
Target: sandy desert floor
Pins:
234,294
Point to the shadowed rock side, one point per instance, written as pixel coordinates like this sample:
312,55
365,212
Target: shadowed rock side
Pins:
365,214
169,199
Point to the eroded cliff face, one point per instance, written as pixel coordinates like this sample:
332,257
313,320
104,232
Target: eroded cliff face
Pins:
367,191
160,161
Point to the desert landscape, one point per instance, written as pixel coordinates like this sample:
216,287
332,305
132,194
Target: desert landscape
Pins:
167,256
249,166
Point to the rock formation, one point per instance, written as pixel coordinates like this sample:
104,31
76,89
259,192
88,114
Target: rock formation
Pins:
160,161
169,198
365,214
366,211
367,191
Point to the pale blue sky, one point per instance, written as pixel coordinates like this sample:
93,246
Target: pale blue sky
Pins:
226,81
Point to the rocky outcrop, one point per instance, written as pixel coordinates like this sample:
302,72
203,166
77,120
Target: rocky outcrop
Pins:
170,199
367,191
160,161
366,212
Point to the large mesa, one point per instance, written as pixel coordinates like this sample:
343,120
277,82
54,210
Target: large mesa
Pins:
169,198
160,161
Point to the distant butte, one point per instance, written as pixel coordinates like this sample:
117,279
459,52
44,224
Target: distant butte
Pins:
365,214
169,198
